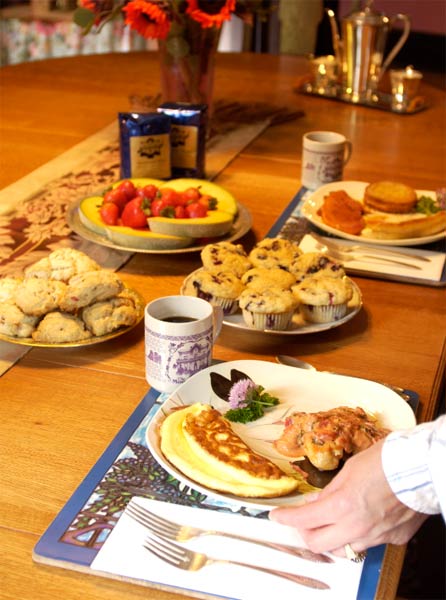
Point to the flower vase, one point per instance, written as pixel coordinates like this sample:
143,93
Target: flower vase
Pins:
187,58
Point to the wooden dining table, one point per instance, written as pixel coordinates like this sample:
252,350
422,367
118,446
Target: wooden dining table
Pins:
60,408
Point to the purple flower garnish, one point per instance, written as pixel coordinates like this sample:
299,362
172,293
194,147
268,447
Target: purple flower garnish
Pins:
238,392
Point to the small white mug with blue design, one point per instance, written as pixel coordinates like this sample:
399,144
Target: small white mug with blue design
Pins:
179,334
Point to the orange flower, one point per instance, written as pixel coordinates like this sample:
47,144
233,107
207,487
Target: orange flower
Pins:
208,20
147,18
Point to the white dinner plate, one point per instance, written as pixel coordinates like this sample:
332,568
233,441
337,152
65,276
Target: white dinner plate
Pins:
297,390
355,189
298,325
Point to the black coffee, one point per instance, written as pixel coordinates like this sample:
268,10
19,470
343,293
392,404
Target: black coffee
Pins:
175,319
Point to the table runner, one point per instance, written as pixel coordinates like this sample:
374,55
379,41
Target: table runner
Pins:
33,210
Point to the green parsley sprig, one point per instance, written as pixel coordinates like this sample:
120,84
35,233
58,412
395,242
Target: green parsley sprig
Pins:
248,402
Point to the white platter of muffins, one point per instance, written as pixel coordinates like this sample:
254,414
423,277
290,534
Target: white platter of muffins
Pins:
66,300
275,288
383,212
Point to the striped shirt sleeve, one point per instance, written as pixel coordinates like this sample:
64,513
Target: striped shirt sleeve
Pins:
414,465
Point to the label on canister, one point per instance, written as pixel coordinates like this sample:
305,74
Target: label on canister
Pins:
145,145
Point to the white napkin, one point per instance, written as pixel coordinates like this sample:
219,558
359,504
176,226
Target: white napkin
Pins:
429,271
123,555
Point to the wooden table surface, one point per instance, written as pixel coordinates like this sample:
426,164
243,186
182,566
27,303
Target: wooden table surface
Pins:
61,408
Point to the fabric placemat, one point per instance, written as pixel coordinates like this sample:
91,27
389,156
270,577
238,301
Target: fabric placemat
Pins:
127,469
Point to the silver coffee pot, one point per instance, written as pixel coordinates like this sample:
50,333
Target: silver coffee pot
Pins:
360,50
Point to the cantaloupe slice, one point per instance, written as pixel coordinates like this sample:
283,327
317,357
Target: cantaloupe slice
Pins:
126,236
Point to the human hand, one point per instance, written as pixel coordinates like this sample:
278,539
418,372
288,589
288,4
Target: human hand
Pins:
357,507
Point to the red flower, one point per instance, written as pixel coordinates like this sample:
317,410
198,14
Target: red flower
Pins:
147,18
210,20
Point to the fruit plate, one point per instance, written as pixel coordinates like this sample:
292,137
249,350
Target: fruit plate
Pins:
139,303
298,326
297,390
241,225
355,189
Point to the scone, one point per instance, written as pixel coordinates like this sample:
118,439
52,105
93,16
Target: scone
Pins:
316,264
62,265
58,328
87,288
104,317
220,288
8,287
39,296
271,309
323,299
14,322
226,256
260,279
390,196
274,253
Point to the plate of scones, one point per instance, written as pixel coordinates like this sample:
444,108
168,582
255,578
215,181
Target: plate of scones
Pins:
259,464
66,300
276,288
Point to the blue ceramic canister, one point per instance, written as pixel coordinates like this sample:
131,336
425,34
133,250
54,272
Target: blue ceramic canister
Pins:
187,137
145,145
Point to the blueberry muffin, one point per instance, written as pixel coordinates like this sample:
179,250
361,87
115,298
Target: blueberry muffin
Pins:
323,299
107,316
220,288
39,296
316,264
226,256
14,322
59,327
271,309
274,253
62,265
259,279
90,287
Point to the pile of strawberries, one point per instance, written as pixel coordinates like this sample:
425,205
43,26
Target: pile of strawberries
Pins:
132,206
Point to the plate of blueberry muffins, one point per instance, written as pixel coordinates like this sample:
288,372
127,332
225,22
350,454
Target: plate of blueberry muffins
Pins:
66,300
275,288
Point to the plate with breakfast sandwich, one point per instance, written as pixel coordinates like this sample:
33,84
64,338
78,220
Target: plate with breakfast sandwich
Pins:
384,212
259,463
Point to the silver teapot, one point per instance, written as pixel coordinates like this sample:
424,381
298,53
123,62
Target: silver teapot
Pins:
360,50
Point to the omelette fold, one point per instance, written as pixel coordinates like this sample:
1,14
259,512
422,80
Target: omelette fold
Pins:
200,443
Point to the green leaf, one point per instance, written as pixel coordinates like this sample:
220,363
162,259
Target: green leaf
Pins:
83,17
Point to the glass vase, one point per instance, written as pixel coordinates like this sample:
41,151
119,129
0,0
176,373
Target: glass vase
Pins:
187,60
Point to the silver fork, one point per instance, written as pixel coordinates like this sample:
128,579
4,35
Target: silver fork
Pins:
181,533
356,254
188,560
354,248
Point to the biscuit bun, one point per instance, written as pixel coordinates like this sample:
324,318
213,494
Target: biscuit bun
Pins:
200,442
397,227
390,196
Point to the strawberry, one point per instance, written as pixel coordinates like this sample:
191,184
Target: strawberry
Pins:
135,213
109,212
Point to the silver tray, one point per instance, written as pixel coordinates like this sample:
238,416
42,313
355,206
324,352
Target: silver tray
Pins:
379,100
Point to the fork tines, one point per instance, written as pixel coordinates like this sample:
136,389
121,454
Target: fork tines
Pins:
166,551
152,521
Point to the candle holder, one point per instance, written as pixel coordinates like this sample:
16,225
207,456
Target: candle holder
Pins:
405,84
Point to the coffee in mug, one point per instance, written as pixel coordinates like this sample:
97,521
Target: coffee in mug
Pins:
324,154
180,332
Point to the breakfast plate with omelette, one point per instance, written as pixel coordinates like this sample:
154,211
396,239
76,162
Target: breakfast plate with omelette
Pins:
388,213
242,462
